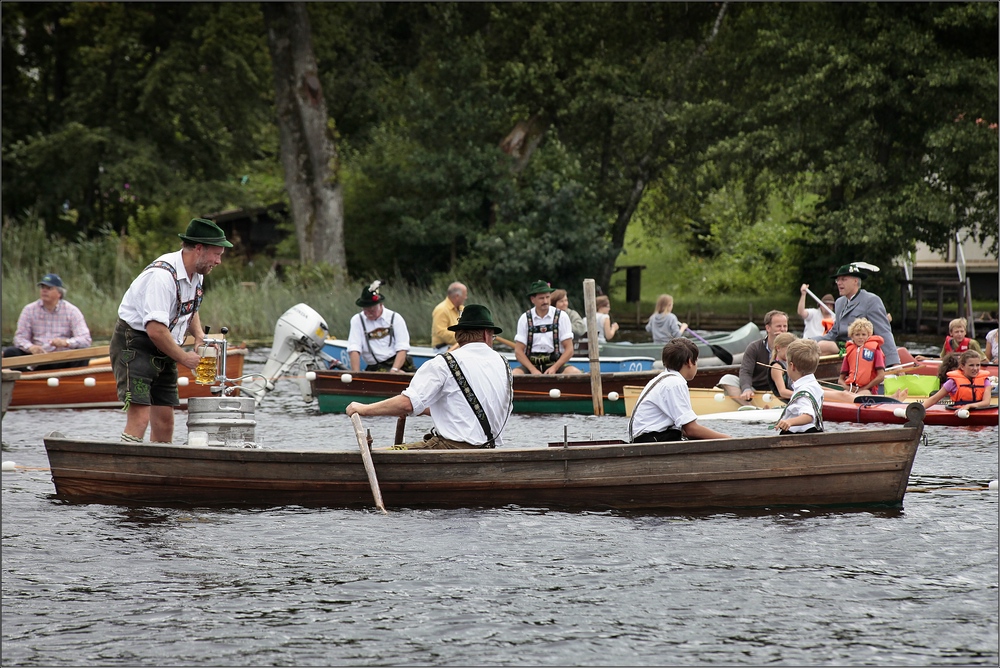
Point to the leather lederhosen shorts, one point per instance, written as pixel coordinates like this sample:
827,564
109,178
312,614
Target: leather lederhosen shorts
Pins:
144,375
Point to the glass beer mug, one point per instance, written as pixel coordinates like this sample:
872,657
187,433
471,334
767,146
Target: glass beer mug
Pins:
205,372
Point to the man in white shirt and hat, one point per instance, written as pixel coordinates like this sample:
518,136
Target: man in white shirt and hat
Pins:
156,314
468,392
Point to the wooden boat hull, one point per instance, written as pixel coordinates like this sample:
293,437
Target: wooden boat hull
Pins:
337,349
834,411
32,389
532,394
828,469
707,401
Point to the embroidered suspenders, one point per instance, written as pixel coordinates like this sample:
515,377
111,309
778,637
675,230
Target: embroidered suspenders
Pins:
378,334
470,396
542,329
641,397
817,418
183,308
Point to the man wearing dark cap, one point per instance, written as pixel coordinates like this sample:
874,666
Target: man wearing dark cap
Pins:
378,335
467,392
856,303
156,314
50,324
544,339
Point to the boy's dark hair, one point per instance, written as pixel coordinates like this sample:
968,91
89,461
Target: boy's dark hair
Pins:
678,352
948,363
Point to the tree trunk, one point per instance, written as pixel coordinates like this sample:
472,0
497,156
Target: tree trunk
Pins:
308,150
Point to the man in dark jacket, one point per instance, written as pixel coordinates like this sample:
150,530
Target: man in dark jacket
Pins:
856,303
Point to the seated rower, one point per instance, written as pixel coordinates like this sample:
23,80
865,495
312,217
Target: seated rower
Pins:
663,410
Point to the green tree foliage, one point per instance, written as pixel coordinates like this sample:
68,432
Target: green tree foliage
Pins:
515,141
888,111
110,107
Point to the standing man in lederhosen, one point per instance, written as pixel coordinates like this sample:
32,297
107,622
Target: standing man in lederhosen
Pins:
158,311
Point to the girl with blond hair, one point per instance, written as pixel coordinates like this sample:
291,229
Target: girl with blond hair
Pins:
663,324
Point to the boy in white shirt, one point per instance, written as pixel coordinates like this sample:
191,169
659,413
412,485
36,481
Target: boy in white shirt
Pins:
663,411
804,412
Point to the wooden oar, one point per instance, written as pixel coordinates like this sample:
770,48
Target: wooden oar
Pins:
506,342
64,356
366,455
819,301
52,358
720,352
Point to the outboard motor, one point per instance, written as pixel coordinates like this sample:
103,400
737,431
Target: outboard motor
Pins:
299,336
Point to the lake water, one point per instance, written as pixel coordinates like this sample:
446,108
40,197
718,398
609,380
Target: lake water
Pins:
87,585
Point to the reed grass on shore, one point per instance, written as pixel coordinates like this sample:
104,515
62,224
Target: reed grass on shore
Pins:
97,273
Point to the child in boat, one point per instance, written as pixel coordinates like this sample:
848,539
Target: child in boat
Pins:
991,346
606,329
968,385
804,412
956,342
864,362
780,384
663,410
663,324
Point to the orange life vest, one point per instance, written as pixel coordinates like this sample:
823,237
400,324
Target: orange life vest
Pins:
861,361
827,324
968,391
962,346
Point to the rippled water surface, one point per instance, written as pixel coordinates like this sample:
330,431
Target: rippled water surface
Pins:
115,585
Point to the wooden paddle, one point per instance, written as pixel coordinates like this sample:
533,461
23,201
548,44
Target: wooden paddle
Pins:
52,358
400,426
506,342
366,455
720,352
819,301
64,356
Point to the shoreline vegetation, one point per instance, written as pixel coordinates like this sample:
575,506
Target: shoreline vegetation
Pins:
249,299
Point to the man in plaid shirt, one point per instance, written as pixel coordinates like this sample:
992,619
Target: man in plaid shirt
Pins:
50,324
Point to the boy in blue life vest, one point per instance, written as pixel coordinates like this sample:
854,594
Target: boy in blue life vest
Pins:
864,361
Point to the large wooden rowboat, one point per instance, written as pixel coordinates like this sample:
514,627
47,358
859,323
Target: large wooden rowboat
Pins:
895,413
532,394
828,469
32,389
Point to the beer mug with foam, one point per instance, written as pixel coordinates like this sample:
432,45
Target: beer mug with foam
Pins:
205,372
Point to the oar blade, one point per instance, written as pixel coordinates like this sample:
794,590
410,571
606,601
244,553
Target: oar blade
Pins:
722,354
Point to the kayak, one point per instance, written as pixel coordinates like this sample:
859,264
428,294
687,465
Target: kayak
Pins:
865,411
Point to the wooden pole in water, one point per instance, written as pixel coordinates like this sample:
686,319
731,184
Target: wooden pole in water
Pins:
593,349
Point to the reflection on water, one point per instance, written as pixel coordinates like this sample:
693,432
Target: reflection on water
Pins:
93,584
